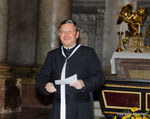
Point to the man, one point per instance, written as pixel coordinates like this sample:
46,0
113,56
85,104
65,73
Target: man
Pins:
72,100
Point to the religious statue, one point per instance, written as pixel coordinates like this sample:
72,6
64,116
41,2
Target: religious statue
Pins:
134,21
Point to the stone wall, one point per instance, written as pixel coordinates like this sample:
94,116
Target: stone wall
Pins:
90,17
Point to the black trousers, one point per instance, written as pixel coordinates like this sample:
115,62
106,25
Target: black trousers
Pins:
79,106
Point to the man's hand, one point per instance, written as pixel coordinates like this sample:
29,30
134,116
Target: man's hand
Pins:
79,84
50,88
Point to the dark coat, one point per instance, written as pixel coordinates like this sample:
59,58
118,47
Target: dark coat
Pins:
85,64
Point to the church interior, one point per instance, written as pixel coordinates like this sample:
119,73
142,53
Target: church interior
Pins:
29,29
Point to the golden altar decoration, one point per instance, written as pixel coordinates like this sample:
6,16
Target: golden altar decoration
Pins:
134,20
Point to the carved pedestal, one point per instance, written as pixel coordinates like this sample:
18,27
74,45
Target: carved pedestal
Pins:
31,97
10,91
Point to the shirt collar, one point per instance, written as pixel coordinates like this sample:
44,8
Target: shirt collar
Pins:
70,47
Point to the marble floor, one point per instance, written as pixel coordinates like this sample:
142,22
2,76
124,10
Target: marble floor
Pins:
31,113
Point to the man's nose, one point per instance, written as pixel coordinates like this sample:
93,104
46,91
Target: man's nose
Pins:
67,32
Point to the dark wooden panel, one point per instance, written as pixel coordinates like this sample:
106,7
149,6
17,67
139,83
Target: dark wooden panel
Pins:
122,99
148,101
119,94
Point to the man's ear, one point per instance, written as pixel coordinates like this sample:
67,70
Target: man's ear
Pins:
77,34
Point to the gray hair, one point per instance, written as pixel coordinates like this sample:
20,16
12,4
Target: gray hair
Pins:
69,21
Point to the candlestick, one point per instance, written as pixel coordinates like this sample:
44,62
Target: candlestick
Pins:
119,49
139,42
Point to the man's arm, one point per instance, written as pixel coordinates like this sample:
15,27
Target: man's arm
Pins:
96,77
43,77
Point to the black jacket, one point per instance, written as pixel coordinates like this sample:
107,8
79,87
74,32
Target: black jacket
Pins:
83,62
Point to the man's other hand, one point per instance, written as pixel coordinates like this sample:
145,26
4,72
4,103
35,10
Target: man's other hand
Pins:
50,88
79,84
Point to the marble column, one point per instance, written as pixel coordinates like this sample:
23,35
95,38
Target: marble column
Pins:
111,38
51,13
3,29
4,68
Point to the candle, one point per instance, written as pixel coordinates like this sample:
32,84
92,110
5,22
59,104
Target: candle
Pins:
120,27
139,28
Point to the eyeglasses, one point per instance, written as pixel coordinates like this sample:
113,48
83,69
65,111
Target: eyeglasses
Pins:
68,31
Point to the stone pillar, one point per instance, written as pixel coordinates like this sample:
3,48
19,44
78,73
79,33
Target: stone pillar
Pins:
3,29
51,13
111,38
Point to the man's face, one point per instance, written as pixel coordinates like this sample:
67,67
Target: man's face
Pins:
68,35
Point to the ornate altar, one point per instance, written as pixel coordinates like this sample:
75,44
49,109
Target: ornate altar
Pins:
129,84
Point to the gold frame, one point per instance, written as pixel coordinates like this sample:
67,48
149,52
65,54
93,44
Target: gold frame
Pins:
146,100
127,86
